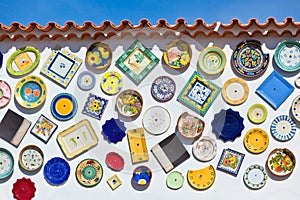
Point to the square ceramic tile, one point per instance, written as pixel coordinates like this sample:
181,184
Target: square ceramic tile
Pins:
43,128
61,66
275,90
94,106
198,94
230,161
137,61
23,61
114,182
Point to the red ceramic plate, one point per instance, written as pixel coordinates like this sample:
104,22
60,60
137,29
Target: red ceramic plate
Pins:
114,161
24,189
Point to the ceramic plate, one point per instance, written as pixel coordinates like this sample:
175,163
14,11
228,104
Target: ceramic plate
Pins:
56,171
23,61
141,177
86,80
111,82
163,88
99,55
255,177
287,56
230,161
94,106
129,103
190,126
64,106
248,59
5,93
30,92
113,130
235,91
257,113
177,54
89,172
212,60
156,120
175,180
275,89
283,128
256,140
296,108
114,161
31,158
6,163
201,179
24,189
205,148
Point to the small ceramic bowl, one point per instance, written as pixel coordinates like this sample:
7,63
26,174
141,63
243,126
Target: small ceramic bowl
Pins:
129,103
141,177
31,158
190,126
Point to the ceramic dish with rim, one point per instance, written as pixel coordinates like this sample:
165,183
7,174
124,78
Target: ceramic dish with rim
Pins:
296,108
281,162
23,61
113,130
129,103
283,128
256,140
175,180
31,158
6,163
235,91
64,106
89,172
163,88
114,161
5,93
111,82
141,177
56,171
190,126
205,148
257,113
99,56
255,177
177,54
287,56
201,179
86,80
212,60
30,92
24,189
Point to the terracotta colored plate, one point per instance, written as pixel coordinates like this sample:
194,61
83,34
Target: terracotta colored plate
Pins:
114,161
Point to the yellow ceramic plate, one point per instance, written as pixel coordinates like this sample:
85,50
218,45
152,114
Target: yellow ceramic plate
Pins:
256,140
201,179
235,91
30,92
111,82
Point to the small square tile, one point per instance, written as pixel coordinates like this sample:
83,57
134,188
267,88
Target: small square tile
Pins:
23,61
114,182
43,128
230,161
94,106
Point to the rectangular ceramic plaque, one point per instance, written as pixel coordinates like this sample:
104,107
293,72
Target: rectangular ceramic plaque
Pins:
137,145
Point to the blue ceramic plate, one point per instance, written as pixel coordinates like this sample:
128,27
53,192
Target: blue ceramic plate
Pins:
57,171
283,128
114,130
163,88
86,80
64,106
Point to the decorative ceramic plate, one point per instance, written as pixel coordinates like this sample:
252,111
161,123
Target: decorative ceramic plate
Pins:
256,140
198,93
111,82
56,171
175,180
163,88
137,62
275,90
141,177
201,179
30,92
257,113
287,56
129,103
31,158
283,128
23,61
230,161
5,93
64,106
61,66
235,91
255,177
281,162
156,120
297,81
23,189
99,55
89,172
190,126
6,163
77,139
212,60
249,60
205,148
95,106
114,182
113,130
227,125
114,161
86,80
137,145
177,54
296,108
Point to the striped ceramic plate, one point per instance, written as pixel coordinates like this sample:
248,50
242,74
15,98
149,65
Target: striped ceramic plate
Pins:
283,128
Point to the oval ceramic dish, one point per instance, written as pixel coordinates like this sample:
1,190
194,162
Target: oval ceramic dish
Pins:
257,113
30,92
175,180
22,59
296,108
235,91
114,161
23,189
212,60
255,177
163,88
64,106
111,82
256,140
283,128
6,163
205,149
99,56
5,93
287,56
177,54
31,158
190,126
56,171
89,172
129,103
86,80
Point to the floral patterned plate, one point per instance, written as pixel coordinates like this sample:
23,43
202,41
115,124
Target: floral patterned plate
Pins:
31,158
129,103
212,60
163,88
95,106
190,126
111,82
230,161
255,177
5,93
89,172
99,56
256,140
43,128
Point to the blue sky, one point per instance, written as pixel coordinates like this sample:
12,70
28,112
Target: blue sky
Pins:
97,11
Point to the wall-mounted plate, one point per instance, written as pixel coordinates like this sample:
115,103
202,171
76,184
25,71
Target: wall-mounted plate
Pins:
5,93
212,60
163,88
57,171
256,140
257,113
283,128
6,163
64,106
111,82
89,172
235,91
99,56
230,161
95,106
86,80
255,177
137,145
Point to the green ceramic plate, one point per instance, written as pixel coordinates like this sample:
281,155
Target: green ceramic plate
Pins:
6,163
212,60
287,56
257,113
